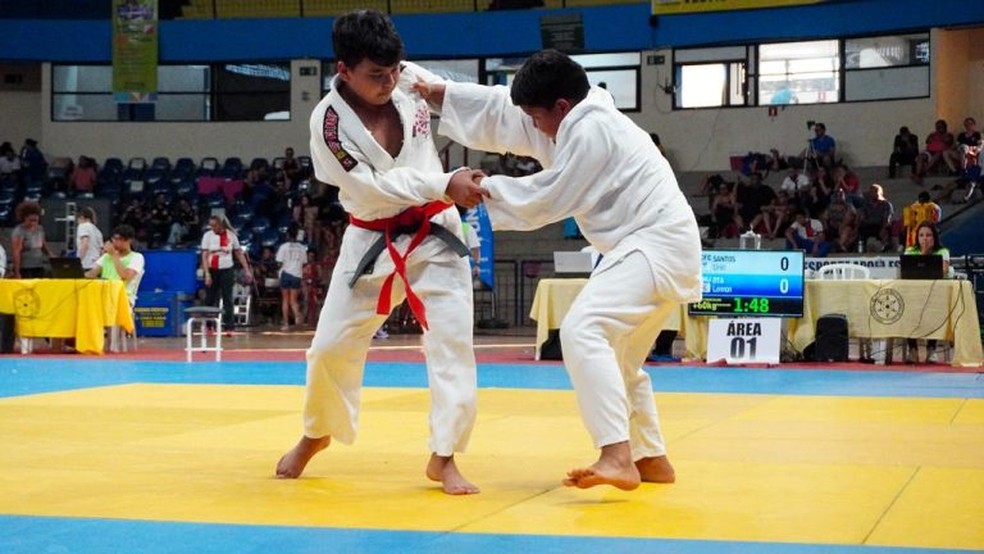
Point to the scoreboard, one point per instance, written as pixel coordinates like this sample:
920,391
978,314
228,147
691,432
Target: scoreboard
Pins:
749,283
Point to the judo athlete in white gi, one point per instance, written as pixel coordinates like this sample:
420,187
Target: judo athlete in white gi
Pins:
372,139
603,170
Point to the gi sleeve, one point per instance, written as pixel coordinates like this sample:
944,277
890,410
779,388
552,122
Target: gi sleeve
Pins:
484,118
573,185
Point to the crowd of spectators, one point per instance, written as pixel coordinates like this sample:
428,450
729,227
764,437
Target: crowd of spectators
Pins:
165,204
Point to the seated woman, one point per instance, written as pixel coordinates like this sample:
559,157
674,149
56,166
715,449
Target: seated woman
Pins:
927,243
939,143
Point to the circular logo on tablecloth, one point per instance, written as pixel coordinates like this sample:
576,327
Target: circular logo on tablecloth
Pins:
27,303
887,306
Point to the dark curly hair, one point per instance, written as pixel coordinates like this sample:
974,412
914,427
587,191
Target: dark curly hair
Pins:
28,208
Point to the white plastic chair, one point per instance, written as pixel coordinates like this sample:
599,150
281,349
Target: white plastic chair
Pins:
843,271
847,271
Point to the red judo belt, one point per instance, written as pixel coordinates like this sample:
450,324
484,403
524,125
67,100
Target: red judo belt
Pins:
416,221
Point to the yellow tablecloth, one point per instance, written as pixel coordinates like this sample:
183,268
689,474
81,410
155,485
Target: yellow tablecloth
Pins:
882,309
888,308
554,298
67,308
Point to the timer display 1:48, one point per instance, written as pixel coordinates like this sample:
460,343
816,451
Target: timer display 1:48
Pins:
751,305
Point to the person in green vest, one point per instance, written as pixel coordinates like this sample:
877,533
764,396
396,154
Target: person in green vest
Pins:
120,262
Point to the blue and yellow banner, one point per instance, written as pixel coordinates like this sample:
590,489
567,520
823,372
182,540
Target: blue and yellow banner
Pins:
668,7
478,218
135,45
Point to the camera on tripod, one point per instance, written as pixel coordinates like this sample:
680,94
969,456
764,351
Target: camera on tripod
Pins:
810,123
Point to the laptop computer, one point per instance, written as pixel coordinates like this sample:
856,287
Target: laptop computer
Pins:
920,266
66,268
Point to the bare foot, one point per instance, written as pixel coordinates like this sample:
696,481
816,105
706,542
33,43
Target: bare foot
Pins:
614,467
621,477
292,464
656,469
443,470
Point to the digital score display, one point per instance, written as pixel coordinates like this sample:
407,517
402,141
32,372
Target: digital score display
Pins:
748,283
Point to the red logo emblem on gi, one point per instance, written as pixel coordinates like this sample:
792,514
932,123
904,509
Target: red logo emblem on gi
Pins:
422,122
330,132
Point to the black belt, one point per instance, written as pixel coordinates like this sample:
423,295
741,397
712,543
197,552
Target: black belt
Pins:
368,261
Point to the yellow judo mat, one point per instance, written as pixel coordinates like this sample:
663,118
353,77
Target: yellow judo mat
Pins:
834,470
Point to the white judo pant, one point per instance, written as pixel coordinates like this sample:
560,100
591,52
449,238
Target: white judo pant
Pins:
348,319
606,337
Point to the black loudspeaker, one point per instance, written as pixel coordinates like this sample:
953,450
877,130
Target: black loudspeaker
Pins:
550,349
831,338
6,333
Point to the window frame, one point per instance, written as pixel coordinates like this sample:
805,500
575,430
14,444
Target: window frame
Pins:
210,96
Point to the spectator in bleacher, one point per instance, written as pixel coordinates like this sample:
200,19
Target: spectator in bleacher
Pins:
159,221
920,211
846,180
292,255
88,238
724,210
219,246
751,198
34,165
938,144
120,262
840,221
83,176
312,285
10,165
291,171
184,223
28,248
905,148
821,150
806,233
875,218
820,194
969,145
796,183
305,214
134,216
265,268
778,213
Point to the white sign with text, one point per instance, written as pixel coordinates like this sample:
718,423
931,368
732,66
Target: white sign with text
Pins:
753,340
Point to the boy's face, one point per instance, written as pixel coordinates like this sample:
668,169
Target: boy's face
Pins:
371,82
547,121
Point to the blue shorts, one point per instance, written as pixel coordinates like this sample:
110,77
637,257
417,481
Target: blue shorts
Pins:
289,282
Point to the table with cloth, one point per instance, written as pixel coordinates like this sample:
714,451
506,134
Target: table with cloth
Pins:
553,299
882,309
877,308
67,308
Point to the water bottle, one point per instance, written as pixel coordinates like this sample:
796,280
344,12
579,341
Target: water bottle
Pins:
750,239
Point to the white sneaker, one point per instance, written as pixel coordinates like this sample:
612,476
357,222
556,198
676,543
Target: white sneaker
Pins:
380,334
931,357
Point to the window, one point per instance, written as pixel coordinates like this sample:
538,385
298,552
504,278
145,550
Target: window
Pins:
465,70
878,68
619,71
799,72
709,77
221,92
887,51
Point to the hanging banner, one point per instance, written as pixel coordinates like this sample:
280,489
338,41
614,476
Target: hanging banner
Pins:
668,7
478,218
135,45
